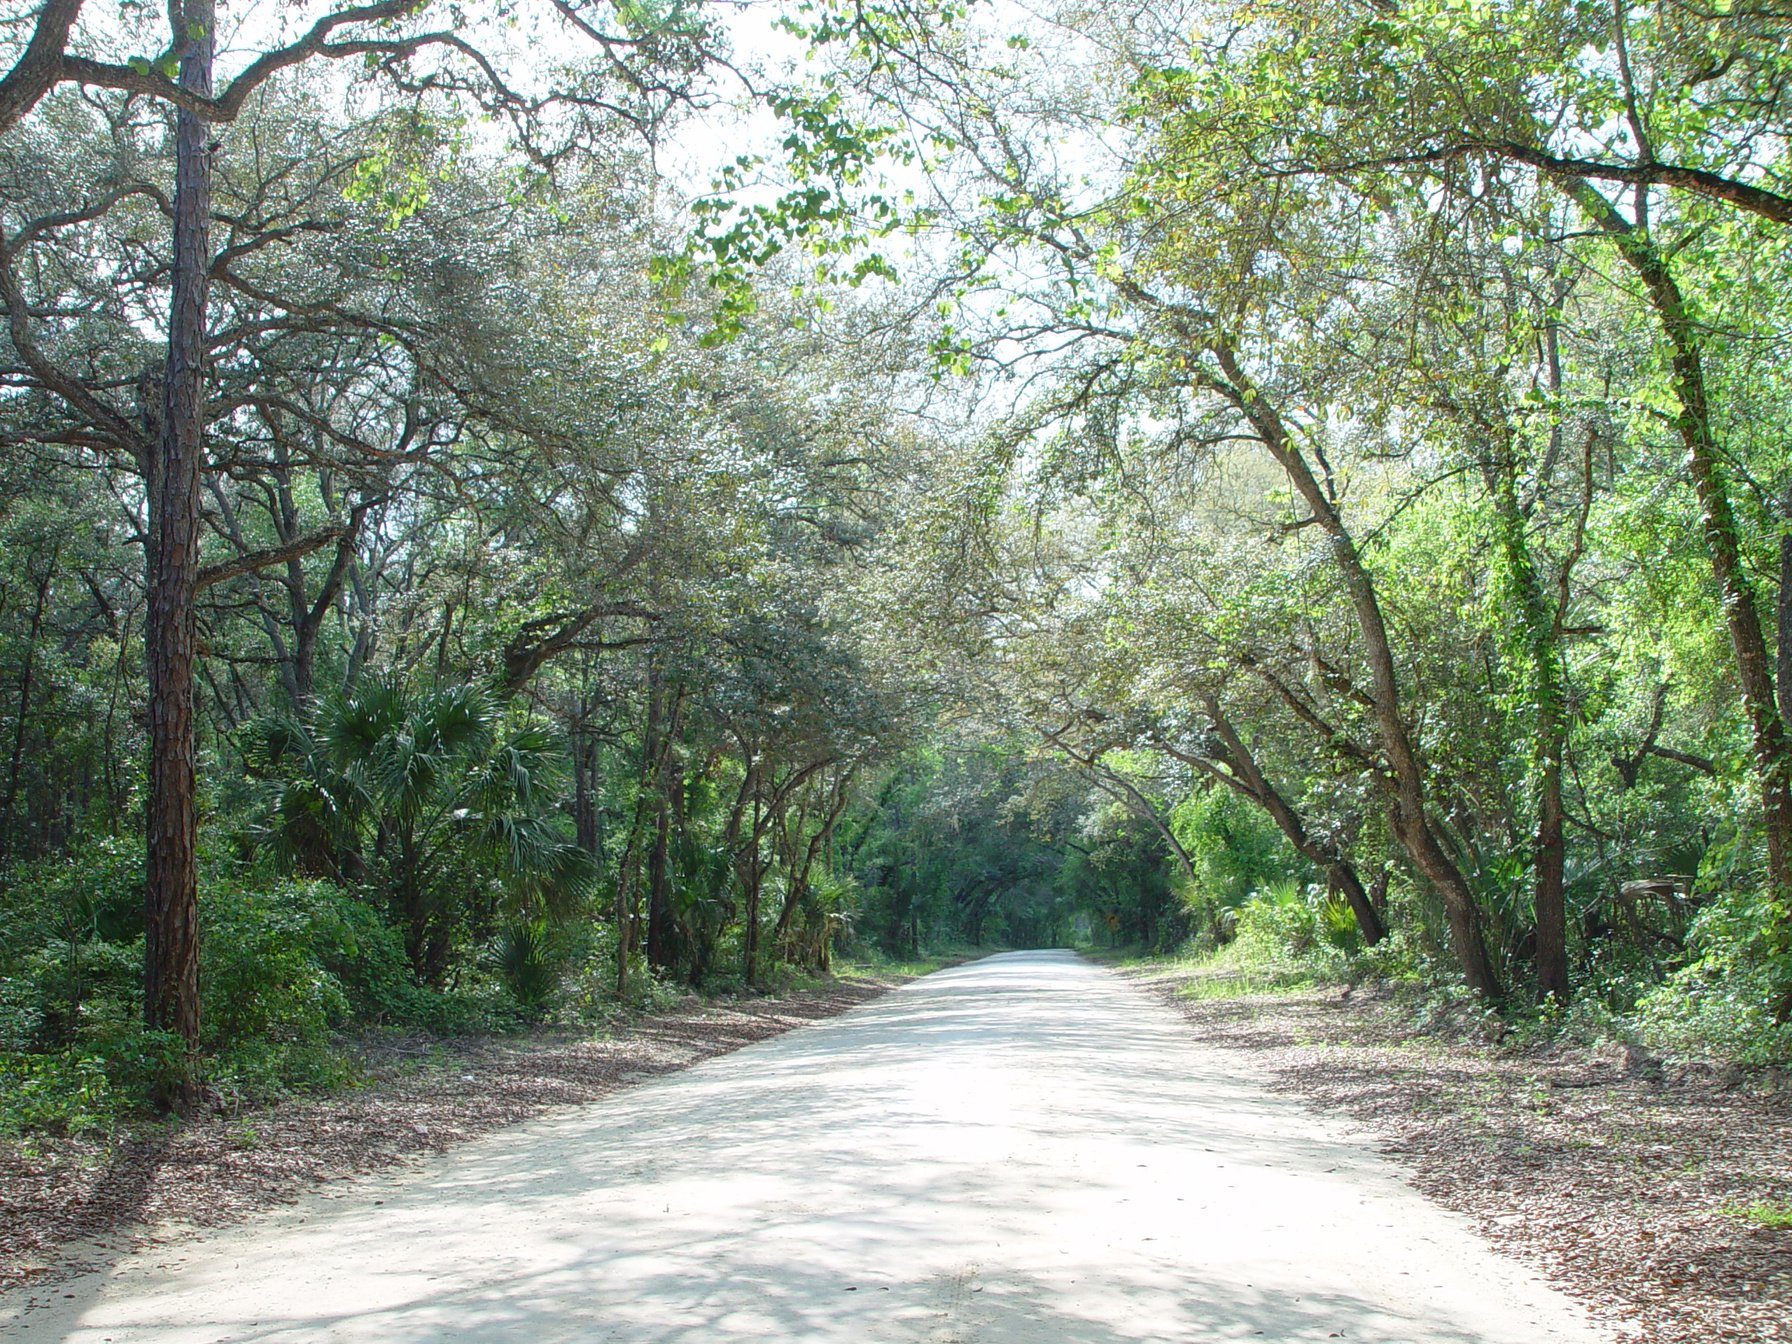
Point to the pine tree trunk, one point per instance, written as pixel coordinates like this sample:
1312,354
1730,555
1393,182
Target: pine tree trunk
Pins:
171,913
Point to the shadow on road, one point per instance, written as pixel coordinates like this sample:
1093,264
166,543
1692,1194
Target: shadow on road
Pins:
1019,1151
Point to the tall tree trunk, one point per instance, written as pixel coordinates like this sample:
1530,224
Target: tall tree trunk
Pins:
308,621
1704,463
755,876
1406,772
1549,893
413,910
1549,730
1783,609
662,781
27,683
171,906
646,781
625,904
659,907
584,776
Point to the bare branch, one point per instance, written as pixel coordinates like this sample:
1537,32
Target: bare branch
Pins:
265,559
226,105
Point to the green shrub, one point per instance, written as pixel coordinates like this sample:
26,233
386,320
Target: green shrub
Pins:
21,1014
139,1063
1283,937
52,996
592,984
272,995
365,954
287,966
65,1092
93,894
1277,924
1335,920
1236,853
266,963
527,960
115,1065
1722,1002
75,983
77,1055
1395,958
478,1005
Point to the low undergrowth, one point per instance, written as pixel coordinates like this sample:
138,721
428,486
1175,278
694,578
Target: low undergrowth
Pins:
301,980
1712,998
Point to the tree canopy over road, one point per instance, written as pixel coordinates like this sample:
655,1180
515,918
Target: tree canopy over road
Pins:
1307,478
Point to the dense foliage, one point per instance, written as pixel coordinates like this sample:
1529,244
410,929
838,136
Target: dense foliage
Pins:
1309,478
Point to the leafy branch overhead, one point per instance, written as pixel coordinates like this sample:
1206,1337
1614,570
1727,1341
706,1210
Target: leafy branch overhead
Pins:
509,510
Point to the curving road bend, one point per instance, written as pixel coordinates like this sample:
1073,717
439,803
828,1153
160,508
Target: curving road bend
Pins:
1024,1150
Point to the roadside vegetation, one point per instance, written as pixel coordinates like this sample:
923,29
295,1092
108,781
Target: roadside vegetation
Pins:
1683,999
1651,1187
1300,483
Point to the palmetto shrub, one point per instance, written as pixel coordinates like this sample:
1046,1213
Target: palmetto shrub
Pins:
431,800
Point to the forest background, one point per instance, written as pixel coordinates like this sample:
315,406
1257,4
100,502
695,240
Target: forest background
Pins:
1305,482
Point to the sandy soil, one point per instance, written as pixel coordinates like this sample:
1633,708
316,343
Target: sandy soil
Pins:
1621,1176
68,1203
1022,1150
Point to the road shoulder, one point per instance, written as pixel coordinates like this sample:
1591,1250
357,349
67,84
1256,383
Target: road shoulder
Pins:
1627,1182
70,1205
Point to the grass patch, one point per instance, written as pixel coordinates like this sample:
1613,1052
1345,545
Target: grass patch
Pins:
1776,1214
876,963
1230,972
1216,984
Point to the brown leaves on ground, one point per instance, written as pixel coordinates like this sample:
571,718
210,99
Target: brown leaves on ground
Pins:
1624,1180
68,1203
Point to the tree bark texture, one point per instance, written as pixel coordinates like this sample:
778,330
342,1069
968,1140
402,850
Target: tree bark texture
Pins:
1704,463
171,913
1549,730
40,65
1405,775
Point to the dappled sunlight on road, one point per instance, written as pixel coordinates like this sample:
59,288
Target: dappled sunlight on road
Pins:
1023,1149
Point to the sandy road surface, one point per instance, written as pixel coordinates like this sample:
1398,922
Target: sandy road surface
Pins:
1023,1150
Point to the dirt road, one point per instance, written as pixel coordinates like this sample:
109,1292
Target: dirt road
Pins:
1024,1150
